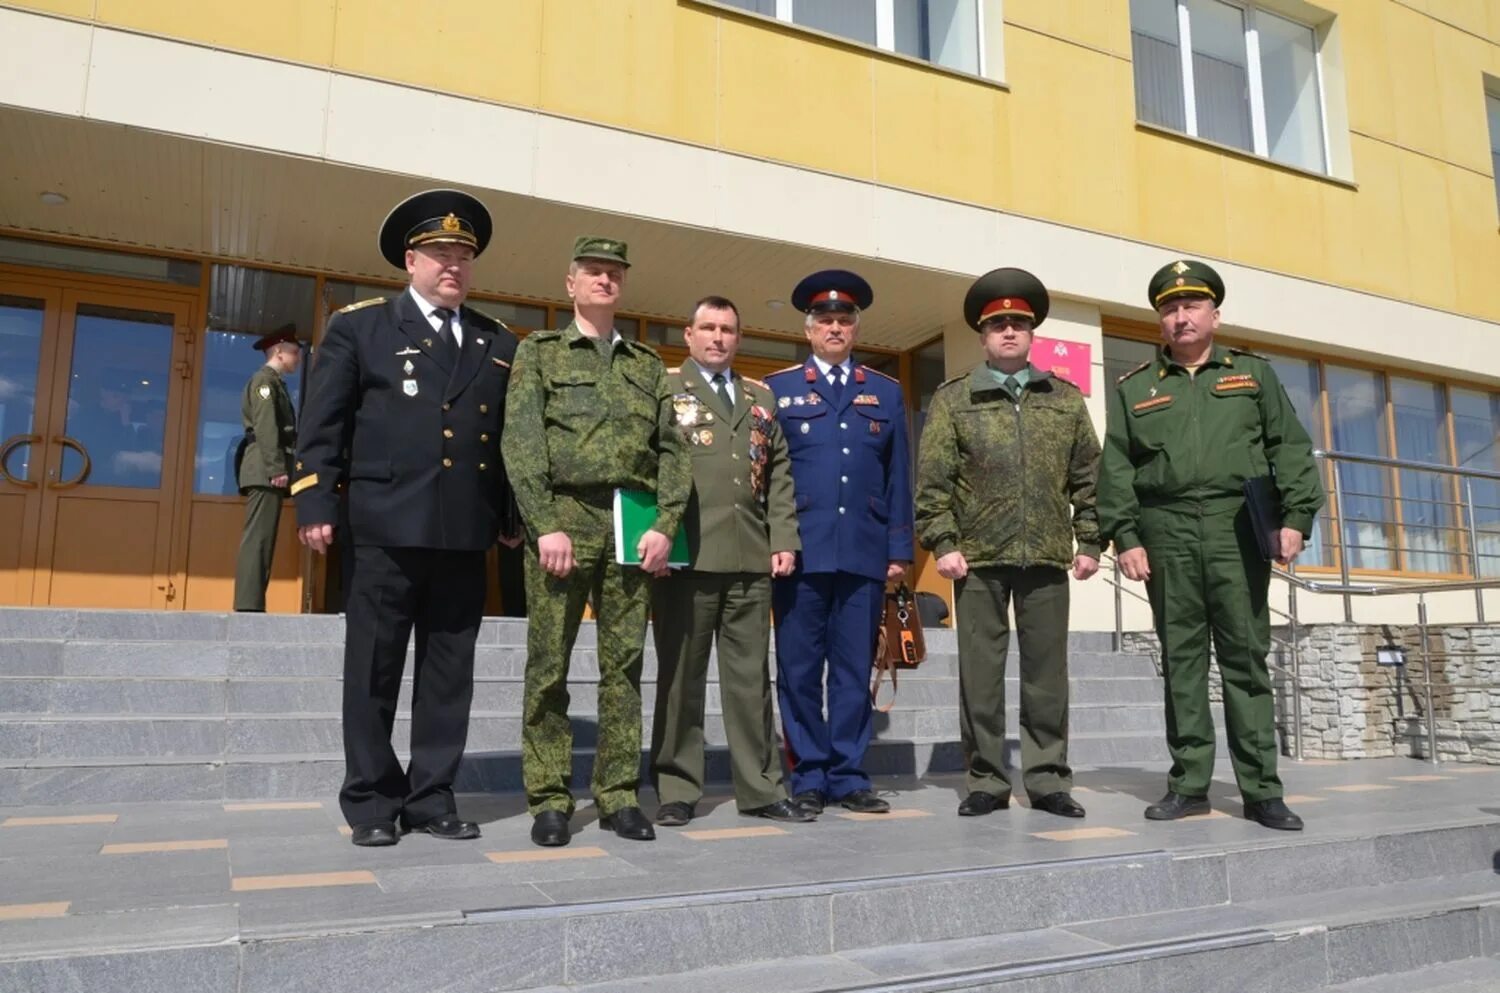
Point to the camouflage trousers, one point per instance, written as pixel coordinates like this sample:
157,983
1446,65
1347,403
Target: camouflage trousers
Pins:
621,598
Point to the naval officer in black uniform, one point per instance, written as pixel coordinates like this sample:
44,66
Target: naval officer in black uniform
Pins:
414,387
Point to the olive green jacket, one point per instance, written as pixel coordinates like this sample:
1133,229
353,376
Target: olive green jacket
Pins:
578,423
270,428
743,506
1008,481
1189,443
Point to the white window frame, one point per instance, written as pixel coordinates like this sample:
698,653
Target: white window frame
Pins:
1259,140
885,31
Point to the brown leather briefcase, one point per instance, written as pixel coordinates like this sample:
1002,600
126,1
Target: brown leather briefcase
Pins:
900,644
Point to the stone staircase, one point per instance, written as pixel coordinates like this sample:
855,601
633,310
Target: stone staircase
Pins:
104,706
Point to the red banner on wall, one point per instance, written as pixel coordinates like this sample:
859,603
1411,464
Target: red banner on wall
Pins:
1071,360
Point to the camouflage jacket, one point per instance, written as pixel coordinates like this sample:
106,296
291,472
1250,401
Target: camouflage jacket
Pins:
1189,443
1008,481
578,423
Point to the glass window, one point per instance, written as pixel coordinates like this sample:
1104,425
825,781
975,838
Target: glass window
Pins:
337,294
1476,430
1299,377
1357,420
117,395
21,323
258,301
1252,82
942,31
784,349
929,366
74,258
1122,355
516,316
659,333
229,360
1221,77
1492,109
1289,77
1429,535
854,19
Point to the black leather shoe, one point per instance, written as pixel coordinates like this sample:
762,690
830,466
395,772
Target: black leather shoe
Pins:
375,835
977,804
864,802
1175,806
809,800
1061,804
1273,813
449,827
550,829
782,810
674,814
629,822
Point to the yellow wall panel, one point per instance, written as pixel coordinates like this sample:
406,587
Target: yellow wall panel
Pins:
1377,231
648,65
1061,134
1476,246
472,47
1427,231
1473,16
1101,24
789,96
1275,218
1339,209
941,134
1411,58
67,8
1180,200
1368,73
1460,107
298,30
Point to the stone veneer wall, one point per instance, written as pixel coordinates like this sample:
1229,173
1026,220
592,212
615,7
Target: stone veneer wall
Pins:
1352,707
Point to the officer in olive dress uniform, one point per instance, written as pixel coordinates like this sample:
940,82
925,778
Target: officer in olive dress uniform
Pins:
1186,431
742,530
263,464
845,428
1005,490
589,411
413,386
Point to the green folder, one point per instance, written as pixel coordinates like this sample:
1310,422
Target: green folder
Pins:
635,512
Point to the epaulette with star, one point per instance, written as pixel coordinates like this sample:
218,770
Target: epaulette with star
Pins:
361,305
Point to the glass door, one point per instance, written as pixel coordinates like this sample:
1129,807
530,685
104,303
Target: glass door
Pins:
28,318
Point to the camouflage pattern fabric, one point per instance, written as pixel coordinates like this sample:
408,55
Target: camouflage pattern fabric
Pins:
1008,480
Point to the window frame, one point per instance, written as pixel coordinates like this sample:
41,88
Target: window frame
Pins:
1259,140
1461,552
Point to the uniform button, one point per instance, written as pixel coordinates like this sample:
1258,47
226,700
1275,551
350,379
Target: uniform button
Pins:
482,467
843,479
484,437
484,408
447,406
736,482
841,510
846,451
843,426
735,456
447,463
447,432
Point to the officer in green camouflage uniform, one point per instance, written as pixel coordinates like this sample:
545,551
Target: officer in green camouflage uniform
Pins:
589,411
741,530
263,464
1185,433
1005,489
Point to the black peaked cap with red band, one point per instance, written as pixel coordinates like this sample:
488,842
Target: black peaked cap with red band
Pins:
1006,292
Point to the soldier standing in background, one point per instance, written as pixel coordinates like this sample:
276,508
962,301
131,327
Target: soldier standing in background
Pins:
263,464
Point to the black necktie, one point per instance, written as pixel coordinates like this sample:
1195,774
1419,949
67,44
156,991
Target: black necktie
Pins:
838,382
445,330
723,392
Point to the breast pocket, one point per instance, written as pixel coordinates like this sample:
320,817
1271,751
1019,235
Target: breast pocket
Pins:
572,395
873,426
803,426
1153,421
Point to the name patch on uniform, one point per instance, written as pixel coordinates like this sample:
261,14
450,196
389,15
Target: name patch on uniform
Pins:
1231,383
867,400
1152,404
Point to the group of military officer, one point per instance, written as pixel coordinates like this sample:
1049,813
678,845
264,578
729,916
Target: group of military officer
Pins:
795,495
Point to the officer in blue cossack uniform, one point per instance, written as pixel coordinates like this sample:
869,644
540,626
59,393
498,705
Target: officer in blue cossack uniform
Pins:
845,427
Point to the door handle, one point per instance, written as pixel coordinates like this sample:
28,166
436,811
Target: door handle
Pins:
11,444
88,463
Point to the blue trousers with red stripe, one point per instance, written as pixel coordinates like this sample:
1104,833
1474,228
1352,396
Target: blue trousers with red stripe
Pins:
827,619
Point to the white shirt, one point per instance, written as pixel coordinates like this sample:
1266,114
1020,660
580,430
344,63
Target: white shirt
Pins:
826,368
708,377
428,311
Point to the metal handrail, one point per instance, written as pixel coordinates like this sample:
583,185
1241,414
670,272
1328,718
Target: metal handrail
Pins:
1407,464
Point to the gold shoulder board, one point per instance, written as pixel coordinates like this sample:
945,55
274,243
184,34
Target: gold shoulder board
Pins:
361,305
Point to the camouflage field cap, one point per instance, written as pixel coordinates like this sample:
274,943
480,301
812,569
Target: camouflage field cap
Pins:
588,246
1185,277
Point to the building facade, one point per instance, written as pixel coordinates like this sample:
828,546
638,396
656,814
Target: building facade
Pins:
176,179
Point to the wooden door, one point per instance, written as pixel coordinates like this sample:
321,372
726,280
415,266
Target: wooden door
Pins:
110,444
